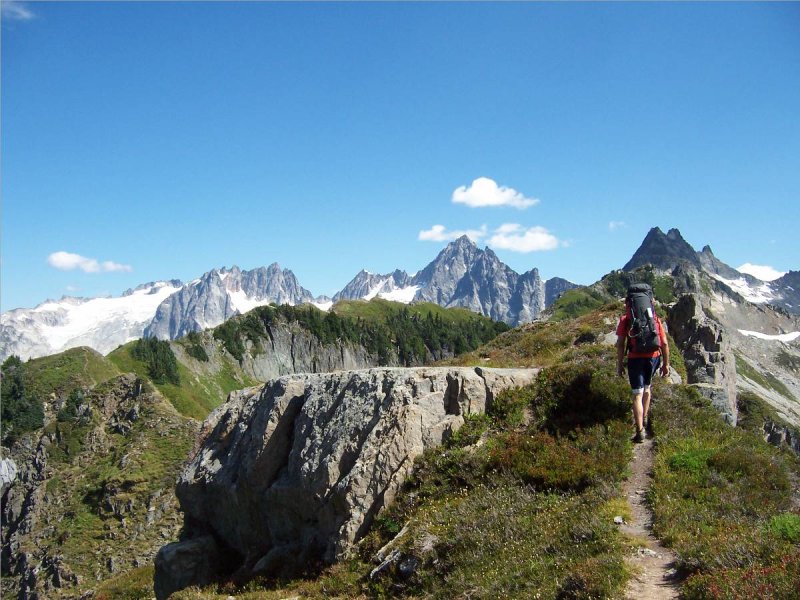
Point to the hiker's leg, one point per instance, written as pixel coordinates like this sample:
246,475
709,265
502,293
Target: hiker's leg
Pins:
645,403
636,377
646,394
638,411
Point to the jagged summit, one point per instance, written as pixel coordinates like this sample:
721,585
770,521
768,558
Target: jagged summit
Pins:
222,293
464,275
663,251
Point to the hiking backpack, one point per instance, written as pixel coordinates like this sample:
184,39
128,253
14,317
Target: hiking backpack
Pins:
643,331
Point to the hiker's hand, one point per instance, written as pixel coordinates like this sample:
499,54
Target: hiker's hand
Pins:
665,370
620,371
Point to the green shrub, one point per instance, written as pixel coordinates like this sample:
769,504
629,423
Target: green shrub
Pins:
574,462
576,302
579,394
162,367
778,581
719,497
508,408
194,346
786,526
229,334
70,409
473,429
21,411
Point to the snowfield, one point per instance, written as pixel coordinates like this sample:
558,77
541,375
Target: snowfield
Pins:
101,323
783,337
757,295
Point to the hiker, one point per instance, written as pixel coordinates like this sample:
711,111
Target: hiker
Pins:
641,333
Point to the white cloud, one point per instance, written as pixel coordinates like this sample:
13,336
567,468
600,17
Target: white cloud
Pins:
15,11
486,192
515,237
67,261
614,225
439,233
762,272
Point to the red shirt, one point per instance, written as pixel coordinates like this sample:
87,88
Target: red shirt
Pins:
622,330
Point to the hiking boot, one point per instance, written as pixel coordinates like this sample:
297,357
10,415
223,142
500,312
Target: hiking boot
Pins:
638,437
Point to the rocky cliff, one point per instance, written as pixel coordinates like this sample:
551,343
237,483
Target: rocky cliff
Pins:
707,352
295,471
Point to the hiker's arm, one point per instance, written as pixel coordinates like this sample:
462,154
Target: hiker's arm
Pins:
620,354
664,352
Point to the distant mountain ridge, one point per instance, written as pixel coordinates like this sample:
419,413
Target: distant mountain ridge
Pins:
461,275
222,293
464,275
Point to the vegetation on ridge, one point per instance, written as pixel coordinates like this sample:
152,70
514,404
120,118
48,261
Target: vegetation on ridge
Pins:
27,385
414,333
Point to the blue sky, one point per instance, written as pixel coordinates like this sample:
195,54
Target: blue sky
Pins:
147,141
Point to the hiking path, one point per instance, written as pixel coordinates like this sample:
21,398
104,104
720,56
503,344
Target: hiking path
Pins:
654,576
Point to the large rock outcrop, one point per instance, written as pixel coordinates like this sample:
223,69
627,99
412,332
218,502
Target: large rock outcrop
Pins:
294,471
708,353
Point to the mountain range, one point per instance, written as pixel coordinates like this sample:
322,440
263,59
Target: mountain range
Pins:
462,275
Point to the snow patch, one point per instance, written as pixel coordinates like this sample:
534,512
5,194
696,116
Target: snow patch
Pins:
244,303
783,337
376,289
404,295
323,306
757,295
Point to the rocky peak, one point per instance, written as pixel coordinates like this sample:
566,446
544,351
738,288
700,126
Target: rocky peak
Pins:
663,251
221,293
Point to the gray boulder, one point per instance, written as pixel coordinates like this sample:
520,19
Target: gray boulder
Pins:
295,471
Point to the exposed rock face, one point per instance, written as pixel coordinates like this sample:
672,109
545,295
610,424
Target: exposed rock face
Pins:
220,294
554,287
780,435
787,292
712,264
296,470
707,351
293,349
37,518
464,275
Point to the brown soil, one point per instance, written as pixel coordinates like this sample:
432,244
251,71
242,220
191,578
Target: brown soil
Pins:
653,565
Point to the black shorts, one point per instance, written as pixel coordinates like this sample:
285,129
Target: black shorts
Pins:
641,371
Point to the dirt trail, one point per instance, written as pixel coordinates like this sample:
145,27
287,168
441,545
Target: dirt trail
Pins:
653,564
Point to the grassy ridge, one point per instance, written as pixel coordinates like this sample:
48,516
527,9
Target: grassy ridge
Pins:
61,373
723,499
197,393
108,492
